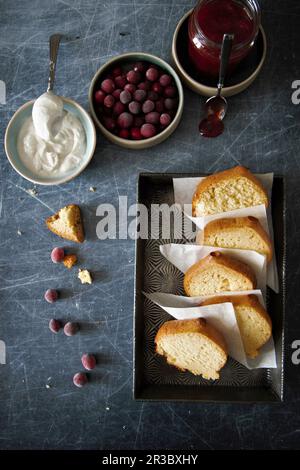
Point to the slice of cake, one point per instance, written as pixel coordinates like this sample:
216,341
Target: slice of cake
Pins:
244,233
216,273
254,322
228,190
67,223
192,345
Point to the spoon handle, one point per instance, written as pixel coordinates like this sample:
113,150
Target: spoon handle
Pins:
54,41
225,54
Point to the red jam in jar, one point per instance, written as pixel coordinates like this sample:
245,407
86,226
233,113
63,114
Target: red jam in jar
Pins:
210,20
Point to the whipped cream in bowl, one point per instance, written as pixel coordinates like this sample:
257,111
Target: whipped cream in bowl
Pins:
51,140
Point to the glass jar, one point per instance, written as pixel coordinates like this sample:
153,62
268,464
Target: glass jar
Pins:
210,20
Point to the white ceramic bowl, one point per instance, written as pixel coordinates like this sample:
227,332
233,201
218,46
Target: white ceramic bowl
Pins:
135,57
13,129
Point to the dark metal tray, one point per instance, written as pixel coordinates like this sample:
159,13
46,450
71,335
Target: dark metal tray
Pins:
154,379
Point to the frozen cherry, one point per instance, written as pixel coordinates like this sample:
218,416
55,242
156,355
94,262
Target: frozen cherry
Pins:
157,88
120,81
119,108
80,379
125,97
165,119
109,101
152,74
140,95
144,85
116,93
139,67
125,120
88,361
148,106
71,328
138,121
117,71
170,103
153,117
55,325
134,107
99,96
133,76
130,87
57,255
51,295
108,85
109,123
124,134
159,105
170,91
148,130
165,79
135,133
152,95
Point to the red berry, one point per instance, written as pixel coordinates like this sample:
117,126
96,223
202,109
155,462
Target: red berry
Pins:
157,88
140,95
139,67
120,81
125,120
148,106
80,379
152,74
148,130
117,71
99,96
138,121
124,134
152,118
109,101
116,94
71,328
159,105
88,361
135,133
170,103
108,85
133,77
165,119
134,107
51,295
144,85
170,91
152,95
57,255
109,123
130,87
119,108
125,97
165,79
55,325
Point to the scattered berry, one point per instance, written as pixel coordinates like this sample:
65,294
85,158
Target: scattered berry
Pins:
148,130
108,85
80,379
57,255
55,325
88,361
51,295
71,328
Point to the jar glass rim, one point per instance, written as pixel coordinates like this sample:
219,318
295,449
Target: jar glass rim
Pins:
255,9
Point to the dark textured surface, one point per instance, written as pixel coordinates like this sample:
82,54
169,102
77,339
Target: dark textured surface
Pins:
262,132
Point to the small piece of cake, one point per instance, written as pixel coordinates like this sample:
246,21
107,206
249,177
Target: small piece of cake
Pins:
192,345
216,273
254,322
69,261
67,223
85,276
228,190
244,233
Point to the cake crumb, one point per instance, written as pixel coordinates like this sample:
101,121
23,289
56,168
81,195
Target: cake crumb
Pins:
32,192
107,408
69,261
85,276
19,232
92,189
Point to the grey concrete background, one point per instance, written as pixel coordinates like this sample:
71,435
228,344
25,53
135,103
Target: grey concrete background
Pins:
262,132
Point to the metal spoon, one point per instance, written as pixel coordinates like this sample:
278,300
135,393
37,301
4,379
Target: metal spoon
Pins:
54,41
217,104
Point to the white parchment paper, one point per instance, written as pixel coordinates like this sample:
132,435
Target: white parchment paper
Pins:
222,317
184,189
